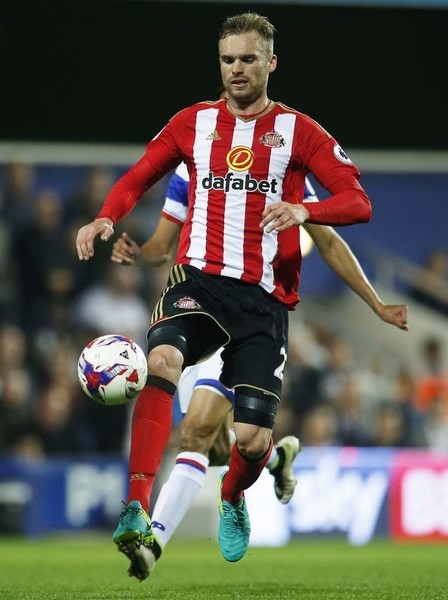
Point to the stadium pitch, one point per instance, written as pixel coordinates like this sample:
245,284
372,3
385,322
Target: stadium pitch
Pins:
88,567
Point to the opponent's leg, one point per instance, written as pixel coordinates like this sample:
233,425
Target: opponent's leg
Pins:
198,431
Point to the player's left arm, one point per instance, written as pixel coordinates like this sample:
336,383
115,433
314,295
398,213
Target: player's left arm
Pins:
348,205
320,154
339,257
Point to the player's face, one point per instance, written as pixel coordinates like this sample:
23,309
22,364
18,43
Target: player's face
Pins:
246,63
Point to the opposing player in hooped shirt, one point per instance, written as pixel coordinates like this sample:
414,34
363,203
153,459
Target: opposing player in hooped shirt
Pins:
226,288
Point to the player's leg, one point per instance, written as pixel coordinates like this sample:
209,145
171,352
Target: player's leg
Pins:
150,431
206,413
179,336
197,433
168,349
279,465
261,342
206,403
204,433
249,456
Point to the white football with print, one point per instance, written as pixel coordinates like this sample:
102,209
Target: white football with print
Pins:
112,369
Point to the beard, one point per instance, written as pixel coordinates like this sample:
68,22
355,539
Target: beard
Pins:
247,95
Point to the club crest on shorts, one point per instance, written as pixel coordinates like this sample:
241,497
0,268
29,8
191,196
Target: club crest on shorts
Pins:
272,139
187,303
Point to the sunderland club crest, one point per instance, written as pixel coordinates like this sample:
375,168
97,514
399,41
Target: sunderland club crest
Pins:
272,139
187,303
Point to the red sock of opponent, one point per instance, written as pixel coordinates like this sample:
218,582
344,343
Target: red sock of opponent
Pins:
151,428
242,474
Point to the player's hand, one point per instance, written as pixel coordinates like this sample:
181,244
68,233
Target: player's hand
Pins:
87,234
395,314
281,215
125,251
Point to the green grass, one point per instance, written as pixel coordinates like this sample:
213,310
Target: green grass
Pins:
89,567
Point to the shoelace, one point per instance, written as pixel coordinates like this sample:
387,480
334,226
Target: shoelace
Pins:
129,514
236,515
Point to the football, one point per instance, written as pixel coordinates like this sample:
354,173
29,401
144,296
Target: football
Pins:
112,369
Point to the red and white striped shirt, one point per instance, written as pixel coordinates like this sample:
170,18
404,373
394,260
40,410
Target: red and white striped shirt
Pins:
236,169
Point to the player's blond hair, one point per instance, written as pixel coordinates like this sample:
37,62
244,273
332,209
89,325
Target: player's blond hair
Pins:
247,22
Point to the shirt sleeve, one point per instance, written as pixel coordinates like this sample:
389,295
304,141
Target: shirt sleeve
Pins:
334,170
162,154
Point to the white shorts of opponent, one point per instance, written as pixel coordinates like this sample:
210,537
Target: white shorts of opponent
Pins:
202,375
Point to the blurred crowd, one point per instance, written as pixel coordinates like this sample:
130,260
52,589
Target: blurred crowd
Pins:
51,305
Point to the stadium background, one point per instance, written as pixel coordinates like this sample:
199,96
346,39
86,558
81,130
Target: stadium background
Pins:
111,70
88,83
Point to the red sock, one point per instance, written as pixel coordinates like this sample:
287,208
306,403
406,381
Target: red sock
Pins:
242,474
151,428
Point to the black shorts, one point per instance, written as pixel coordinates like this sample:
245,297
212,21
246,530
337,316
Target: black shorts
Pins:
215,311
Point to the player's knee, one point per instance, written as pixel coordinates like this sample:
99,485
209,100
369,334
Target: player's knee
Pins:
254,417
165,362
255,446
167,349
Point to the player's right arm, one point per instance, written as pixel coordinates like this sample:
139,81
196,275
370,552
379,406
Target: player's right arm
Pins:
160,247
157,250
121,199
162,155
339,257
